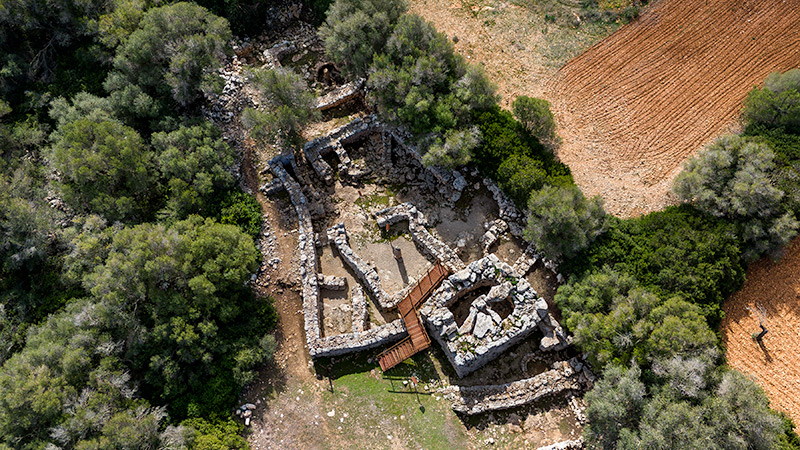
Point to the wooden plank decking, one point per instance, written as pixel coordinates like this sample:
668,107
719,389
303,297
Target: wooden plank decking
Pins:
417,339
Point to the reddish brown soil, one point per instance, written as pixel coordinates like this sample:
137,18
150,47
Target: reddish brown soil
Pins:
632,108
776,288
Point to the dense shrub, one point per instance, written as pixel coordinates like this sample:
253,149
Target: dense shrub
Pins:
421,82
617,322
535,115
193,162
169,59
777,104
289,105
242,210
625,413
732,179
355,30
519,175
562,222
454,150
104,168
678,251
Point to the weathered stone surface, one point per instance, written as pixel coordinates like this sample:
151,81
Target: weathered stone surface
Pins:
341,95
360,311
479,399
331,282
483,323
337,235
491,335
575,444
554,337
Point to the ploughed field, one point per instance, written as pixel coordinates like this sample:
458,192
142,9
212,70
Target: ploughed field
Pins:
632,108
775,287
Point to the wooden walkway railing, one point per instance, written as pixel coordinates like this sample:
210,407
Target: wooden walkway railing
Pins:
417,339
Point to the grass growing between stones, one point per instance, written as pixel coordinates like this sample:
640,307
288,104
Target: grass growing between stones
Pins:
380,409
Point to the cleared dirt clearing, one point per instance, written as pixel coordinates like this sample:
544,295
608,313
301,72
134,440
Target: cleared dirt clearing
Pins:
632,108
776,288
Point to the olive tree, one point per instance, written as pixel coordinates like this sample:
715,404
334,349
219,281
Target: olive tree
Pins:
732,179
777,104
562,222
535,115
288,105
171,56
355,30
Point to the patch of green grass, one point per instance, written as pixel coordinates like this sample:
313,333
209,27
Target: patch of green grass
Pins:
375,200
379,405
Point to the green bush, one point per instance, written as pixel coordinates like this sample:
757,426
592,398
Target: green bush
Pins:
678,251
519,175
289,105
732,179
242,210
562,222
535,115
355,30
777,104
454,150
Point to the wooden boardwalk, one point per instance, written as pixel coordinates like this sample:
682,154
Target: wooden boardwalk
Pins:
417,339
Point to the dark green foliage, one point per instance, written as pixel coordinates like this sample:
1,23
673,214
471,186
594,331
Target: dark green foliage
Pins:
355,30
176,297
40,39
242,210
624,414
789,440
504,137
218,435
104,168
289,105
535,115
617,322
562,222
678,251
519,175
169,59
193,162
732,179
421,82
777,104
786,175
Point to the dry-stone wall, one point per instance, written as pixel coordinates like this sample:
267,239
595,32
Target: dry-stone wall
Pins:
341,95
433,247
574,444
360,311
309,273
489,336
308,254
564,376
337,235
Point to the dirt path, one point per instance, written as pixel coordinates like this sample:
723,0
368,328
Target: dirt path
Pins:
776,288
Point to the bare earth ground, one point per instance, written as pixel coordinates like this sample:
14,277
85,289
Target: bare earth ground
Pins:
775,287
635,106
632,108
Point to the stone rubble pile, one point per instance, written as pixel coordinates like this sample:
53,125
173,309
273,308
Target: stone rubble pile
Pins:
490,335
245,412
365,273
497,228
331,282
334,141
431,246
341,95
563,376
574,444
360,311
